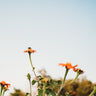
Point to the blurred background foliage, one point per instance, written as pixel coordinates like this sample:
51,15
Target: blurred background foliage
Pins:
81,87
17,92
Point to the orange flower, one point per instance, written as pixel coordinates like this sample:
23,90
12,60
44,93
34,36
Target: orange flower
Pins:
45,80
95,83
73,93
3,83
78,70
68,65
30,50
5,88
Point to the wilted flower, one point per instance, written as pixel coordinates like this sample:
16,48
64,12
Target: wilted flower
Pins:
78,70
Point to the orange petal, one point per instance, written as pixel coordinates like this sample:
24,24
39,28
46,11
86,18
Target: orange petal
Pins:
26,51
75,66
62,64
3,82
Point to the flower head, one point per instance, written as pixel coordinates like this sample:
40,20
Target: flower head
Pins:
45,80
68,65
73,93
30,50
78,70
4,84
95,83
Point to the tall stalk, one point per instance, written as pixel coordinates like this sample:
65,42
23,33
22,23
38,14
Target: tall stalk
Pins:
44,88
32,65
30,88
91,94
75,78
63,81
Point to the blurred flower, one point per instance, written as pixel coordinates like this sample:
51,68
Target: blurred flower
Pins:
3,83
68,65
5,88
44,80
73,93
95,83
30,50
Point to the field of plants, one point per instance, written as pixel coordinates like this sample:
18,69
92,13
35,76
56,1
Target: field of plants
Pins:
46,86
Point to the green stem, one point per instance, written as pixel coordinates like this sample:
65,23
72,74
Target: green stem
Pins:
1,90
65,76
75,77
30,87
32,65
63,81
93,91
44,88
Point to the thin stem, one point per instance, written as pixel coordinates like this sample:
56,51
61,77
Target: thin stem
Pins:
75,77
1,90
93,91
65,76
30,87
63,81
44,88
32,65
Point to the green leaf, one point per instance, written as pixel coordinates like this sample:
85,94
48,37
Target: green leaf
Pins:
59,81
27,94
40,92
50,92
67,94
39,76
33,82
55,83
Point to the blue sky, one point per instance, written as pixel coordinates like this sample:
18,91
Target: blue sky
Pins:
60,30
